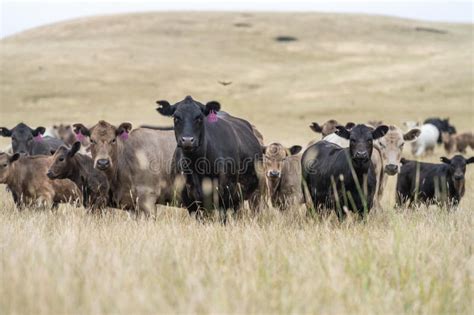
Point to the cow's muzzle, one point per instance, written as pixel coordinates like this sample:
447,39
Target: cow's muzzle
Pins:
273,174
391,169
187,143
102,164
51,175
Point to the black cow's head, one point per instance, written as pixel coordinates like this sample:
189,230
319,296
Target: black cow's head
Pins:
23,137
457,167
62,162
361,140
189,116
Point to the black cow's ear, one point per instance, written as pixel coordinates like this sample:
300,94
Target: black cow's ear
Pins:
316,127
470,160
295,149
38,131
124,127
74,149
343,132
165,108
264,149
14,157
379,132
80,128
5,132
412,134
350,125
445,160
212,106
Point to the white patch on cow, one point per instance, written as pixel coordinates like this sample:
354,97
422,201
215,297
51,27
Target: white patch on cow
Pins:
142,159
340,141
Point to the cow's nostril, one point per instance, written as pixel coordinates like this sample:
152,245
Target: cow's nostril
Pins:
102,163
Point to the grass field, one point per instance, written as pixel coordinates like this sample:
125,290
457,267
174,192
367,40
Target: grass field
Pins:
348,67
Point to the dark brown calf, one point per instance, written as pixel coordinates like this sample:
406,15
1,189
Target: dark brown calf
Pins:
26,178
79,168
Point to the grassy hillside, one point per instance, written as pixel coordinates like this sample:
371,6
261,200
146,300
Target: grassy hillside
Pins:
348,67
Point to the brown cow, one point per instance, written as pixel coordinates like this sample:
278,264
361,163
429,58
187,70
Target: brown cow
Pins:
26,178
69,137
328,127
68,163
138,164
283,175
457,142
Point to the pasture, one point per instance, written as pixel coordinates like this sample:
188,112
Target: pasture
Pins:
347,67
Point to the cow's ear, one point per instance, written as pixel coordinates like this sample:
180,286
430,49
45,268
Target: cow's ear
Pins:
55,127
74,149
295,149
5,132
212,106
342,132
124,128
470,160
14,157
81,129
165,108
379,132
350,125
412,134
316,127
38,131
264,149
445,160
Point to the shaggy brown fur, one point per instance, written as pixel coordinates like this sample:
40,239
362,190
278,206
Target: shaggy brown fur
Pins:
458,142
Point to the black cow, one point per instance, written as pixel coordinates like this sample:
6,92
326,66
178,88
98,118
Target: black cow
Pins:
350,170
437,183
29,141
442,125
217,153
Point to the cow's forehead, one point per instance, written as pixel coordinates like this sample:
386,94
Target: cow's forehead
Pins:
103,130
458,161
394,135
275,150
361,131
186,107
61,150
21,130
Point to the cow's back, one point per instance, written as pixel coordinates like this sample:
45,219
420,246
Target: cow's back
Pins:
145,164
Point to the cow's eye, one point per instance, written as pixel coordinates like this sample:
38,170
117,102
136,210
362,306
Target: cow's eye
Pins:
4,165
176,119
353,141
14,138
93,141
198,119
113,141
61,159
401,145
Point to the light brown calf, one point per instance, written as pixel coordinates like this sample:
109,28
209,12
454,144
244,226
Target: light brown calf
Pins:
391,149
282,168
457,142
26,178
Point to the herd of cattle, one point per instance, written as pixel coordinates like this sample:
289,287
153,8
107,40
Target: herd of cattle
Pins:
209,159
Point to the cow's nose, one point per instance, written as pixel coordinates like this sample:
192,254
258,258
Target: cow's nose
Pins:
458,177
187,141
274,174
391,169
103,164
361,155
50,175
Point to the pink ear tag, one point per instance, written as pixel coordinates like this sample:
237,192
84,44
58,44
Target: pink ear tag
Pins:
38,138
124,136
212,117
79,136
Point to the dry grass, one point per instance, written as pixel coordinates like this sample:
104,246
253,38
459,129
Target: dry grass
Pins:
346,67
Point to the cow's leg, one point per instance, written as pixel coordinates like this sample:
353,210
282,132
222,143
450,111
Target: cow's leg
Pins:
146,201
